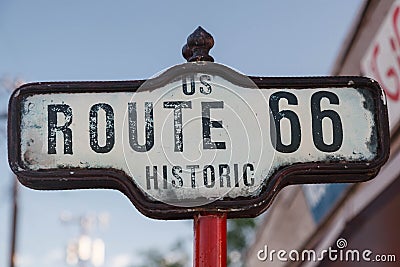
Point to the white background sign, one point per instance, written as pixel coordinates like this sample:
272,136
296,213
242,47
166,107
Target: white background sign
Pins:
382,61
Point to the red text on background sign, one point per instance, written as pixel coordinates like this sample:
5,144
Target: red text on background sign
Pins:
392,71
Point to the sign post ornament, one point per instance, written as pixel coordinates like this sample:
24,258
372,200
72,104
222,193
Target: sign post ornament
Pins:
198,140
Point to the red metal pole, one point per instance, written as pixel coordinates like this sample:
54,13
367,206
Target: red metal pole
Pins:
14,222
210,240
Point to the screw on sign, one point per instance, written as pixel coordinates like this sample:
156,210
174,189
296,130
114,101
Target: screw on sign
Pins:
198,141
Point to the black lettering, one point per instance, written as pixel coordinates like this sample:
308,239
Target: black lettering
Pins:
224,171
193,174
250,167
178,182
236,174
133,127
205,176
151,177
318,116
93,128
178,133
185,87
208,124
53,127
203,79
165,176
277,116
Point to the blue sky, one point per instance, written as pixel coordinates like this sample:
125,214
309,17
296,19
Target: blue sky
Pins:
48,40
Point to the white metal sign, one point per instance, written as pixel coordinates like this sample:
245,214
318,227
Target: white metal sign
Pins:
382,61
197,138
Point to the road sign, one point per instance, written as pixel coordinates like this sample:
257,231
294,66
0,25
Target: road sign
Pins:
199,137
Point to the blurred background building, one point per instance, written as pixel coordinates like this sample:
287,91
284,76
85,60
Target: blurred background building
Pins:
366,216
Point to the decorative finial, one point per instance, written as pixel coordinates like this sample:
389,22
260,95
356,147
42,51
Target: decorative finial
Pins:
198,45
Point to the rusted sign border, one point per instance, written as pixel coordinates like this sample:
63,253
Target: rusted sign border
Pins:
298,173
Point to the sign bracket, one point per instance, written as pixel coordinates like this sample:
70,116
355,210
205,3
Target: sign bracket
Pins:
209,229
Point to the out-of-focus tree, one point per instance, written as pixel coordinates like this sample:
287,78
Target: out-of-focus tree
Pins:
239,235
177,256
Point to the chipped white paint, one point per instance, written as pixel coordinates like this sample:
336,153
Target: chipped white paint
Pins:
245,131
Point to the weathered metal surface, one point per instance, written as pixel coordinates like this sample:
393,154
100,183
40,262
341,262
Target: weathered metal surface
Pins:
209,240
198,46
217,150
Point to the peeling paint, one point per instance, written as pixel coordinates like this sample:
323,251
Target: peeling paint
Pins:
178,137
179,149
